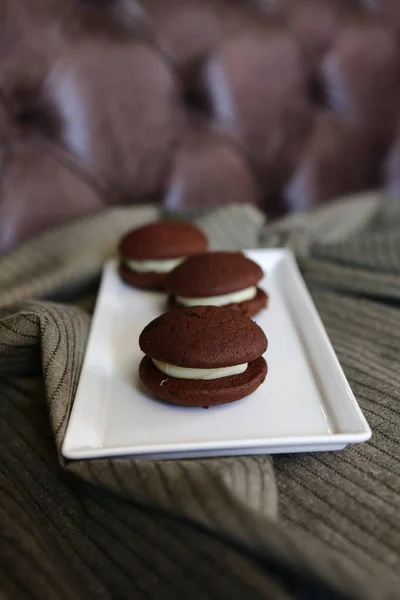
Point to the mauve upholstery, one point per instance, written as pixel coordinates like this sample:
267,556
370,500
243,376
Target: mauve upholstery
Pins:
281,103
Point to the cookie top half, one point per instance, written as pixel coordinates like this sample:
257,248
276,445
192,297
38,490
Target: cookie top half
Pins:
203,337
163,239
213,274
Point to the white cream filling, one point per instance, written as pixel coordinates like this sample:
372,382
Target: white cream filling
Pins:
187,373
233,297
153,266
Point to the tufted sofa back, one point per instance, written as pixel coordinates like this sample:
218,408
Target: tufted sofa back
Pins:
281,103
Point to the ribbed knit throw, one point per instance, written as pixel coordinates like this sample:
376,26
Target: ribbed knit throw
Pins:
323,525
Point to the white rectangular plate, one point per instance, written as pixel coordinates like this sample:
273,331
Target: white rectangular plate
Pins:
304,405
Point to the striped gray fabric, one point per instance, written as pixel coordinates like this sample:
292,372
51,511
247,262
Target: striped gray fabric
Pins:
300,526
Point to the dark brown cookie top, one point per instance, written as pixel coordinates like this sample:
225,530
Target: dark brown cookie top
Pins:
213,274
203,337
163,239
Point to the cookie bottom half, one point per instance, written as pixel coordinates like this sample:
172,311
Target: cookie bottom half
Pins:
249,307
144,281
190,392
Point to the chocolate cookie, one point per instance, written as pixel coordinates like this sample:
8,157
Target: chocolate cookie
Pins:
202,356
148,253
217,279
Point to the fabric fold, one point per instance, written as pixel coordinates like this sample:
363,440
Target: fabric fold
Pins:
300,526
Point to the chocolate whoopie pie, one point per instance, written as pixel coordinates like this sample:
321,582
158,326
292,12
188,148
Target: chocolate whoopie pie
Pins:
202,356
217,279
148,253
